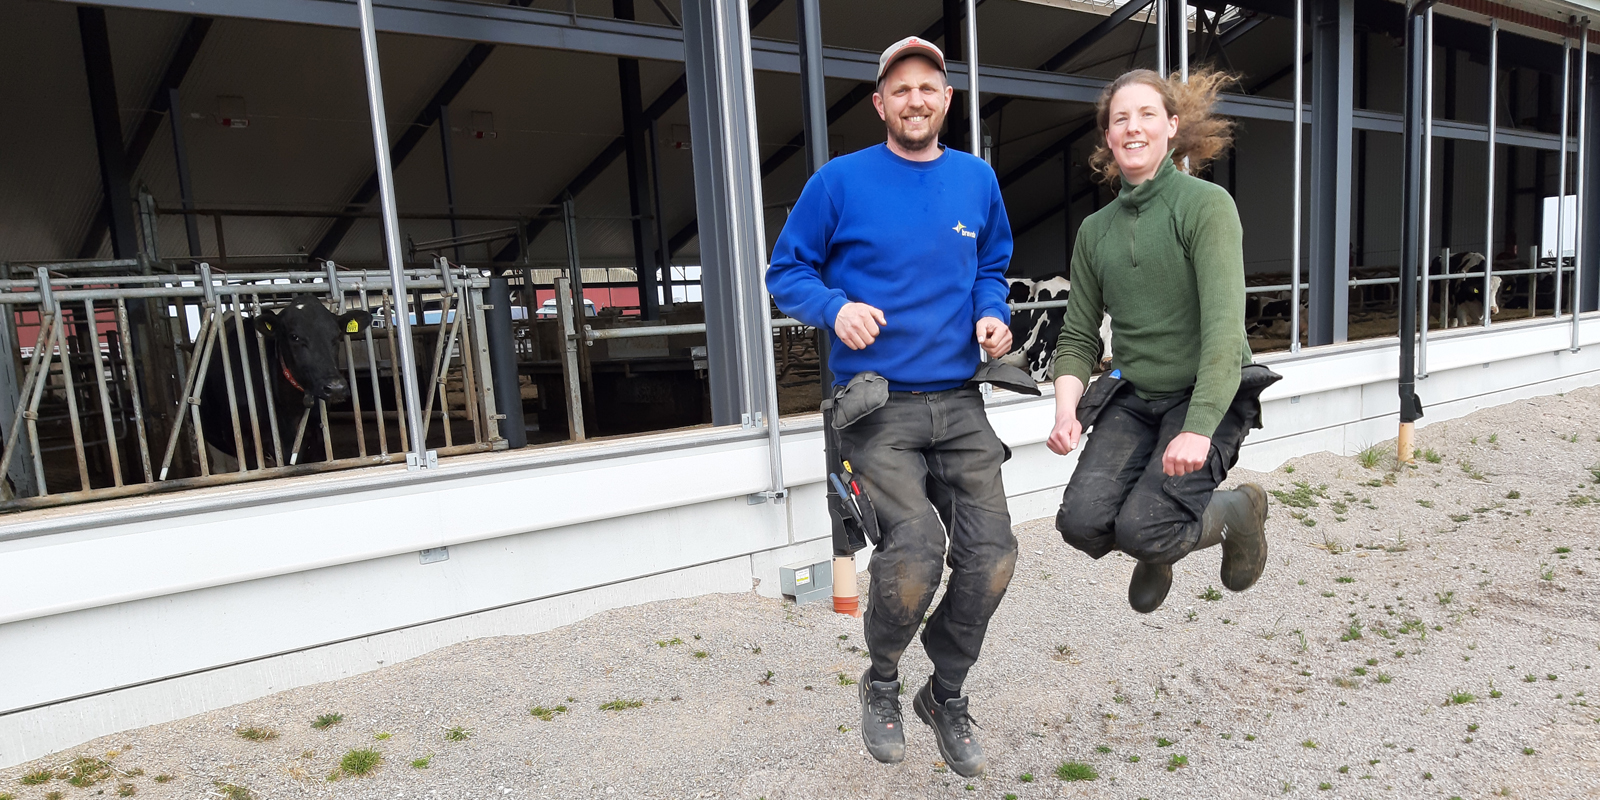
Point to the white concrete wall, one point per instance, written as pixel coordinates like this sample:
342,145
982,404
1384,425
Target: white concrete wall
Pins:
131,613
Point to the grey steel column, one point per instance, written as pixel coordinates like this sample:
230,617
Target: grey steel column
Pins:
974,117
418,458
1412,223
1488,194
1583,155
1161,37
1590,300
1181,20
1299,138
1332,95
658,213
728,201
180,156
503,364
114,178
954,28
448,158
1561,171
1425,234
634,127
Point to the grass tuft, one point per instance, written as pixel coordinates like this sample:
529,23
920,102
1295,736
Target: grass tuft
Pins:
1076,771
257,734
624,705
1460,698
547,714
37,777
422,763
360,762
233,791
326,721
460,734
1371,456
1210,594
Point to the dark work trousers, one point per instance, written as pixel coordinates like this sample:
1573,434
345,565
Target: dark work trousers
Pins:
931,464
1119,497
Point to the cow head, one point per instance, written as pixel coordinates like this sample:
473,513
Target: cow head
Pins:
306,335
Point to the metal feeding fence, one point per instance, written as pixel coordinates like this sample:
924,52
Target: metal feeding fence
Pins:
104,378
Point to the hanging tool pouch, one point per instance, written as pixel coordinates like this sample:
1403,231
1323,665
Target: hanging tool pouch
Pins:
1098,396
849,507
1253,380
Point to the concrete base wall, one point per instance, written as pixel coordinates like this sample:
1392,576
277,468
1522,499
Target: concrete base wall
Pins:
214,597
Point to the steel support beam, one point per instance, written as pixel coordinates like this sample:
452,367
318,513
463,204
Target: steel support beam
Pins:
447,158
1177,35
180,157
634,130
114,174
1332,83
1590,286
729,208
954,135
150,121
1413,226
814,113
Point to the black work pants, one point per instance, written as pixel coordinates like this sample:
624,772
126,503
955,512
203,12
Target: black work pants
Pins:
931,464
1120,498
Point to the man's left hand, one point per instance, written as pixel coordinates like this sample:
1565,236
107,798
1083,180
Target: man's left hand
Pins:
994,337
1186,454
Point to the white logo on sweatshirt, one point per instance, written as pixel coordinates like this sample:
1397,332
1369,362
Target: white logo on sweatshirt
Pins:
962,229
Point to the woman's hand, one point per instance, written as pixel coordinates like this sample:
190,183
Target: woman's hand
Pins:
1064,436
1185,454
1065,433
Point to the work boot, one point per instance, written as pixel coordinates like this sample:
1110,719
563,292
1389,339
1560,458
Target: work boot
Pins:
953,728
1238,519
881,727
1149,586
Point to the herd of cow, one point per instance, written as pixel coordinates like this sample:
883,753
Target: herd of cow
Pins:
302,341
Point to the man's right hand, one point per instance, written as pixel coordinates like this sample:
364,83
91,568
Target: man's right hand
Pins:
857,325
1067,430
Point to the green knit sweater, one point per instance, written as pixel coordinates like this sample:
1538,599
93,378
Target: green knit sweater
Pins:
1166,261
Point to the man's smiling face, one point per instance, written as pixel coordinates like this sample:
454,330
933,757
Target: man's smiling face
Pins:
912,101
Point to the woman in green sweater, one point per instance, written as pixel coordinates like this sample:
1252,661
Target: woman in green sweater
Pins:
1165,260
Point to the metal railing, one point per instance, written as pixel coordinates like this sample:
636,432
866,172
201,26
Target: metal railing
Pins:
132,355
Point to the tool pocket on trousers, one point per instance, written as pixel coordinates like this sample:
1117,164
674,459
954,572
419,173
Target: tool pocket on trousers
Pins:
1096,398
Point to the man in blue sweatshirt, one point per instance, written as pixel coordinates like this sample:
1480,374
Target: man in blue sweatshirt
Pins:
901,251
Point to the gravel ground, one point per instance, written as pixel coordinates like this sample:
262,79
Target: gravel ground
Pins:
1420,633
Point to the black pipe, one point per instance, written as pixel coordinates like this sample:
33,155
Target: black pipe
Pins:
1411,226
503,365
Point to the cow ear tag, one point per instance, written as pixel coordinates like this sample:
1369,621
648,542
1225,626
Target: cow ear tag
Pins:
352,326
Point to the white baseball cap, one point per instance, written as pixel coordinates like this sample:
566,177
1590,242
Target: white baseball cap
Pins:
909,46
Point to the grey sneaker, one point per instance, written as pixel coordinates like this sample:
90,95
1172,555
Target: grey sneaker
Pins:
953,726
881,727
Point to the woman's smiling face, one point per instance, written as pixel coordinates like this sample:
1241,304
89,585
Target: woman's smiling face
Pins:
1139,131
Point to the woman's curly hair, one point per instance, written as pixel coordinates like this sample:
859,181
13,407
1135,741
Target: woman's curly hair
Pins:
1201,134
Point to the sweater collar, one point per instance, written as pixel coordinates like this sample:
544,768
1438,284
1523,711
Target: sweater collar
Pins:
1137,197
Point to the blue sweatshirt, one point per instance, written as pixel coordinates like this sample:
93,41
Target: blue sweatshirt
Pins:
927,243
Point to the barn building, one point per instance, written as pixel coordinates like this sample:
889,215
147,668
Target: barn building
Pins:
531,235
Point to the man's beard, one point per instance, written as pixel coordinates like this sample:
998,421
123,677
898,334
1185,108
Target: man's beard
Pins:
913,143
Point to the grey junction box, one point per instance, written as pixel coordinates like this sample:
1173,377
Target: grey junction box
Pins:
807,581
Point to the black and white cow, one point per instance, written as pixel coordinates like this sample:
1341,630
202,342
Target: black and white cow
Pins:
302,342
1466,295
1034,331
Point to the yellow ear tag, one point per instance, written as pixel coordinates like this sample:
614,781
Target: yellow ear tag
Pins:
352,326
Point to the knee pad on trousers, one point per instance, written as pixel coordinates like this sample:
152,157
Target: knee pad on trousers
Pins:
1086,523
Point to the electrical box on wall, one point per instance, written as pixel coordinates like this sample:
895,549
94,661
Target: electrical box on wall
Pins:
483,125
807,581
231,112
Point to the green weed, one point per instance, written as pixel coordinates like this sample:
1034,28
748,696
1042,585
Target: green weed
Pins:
233,791
1460,698
547,714
325,721
1176,762
257,734
422,763
1372,455
1076,771
459,734
1210,594
360,762
624,705
1303,495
